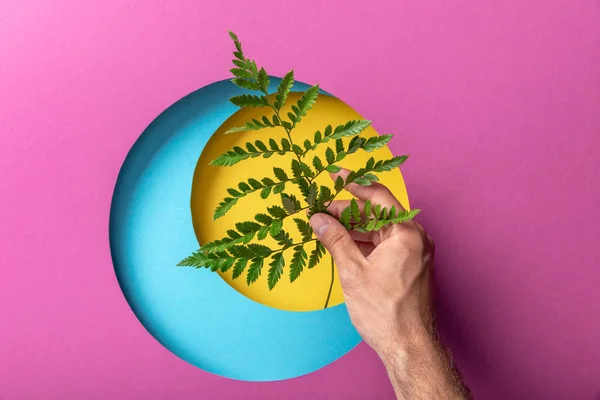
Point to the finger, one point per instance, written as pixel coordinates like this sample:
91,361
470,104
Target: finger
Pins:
367,237
336,239
376,192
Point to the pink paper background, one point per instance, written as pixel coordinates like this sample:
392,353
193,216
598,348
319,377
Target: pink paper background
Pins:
497,101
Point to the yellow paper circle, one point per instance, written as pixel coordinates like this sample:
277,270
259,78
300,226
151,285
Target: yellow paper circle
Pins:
210,184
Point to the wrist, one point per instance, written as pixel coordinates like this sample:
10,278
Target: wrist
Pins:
412,339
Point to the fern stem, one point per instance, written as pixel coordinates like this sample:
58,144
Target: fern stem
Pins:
331,284
281,250
310,180
287,131
289,135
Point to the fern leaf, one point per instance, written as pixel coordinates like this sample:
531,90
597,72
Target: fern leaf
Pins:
239,267
350,128
303,186
263,81
304,228
248,100
345,218
376,142
283,90
197,260
276,227
339,184
277,212
300,169
377,211
283,239
325,196
355,144
238,154
232,157
388,165
362,181
306,102
254,270
316,255
290,203
235,39
226,243
223,207
311,197
367,209
266,185
253,125
259,250
318,164
247,227
298,262
276,269
263,219
339,146
245,83
296,170
329,155
382,217
273,145
406,216
354,210
280,174
240,252
371,225
286,145
242,73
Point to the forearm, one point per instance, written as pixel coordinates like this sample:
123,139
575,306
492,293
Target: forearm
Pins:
419,368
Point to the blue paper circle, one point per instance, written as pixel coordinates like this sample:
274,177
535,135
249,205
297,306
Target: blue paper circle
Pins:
194,313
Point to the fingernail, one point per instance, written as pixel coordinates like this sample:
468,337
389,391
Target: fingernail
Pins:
320,224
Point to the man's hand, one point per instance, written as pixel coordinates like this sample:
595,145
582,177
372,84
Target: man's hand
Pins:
386,279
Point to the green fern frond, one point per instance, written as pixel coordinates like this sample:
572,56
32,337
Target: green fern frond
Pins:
263,81
254,270
306,102
304,228
245,83
374,217
277,264
255,124
345,218
298,262
316,255
239,267
196,260
290,203
258,149
351,128
239,250
249,100
348,129
283,90
283,239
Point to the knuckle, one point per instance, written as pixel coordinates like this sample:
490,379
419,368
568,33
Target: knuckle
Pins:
335,238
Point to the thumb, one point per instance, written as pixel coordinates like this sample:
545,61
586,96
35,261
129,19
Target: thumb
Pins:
336,240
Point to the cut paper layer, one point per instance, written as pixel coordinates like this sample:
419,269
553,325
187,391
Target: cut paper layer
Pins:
194,313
